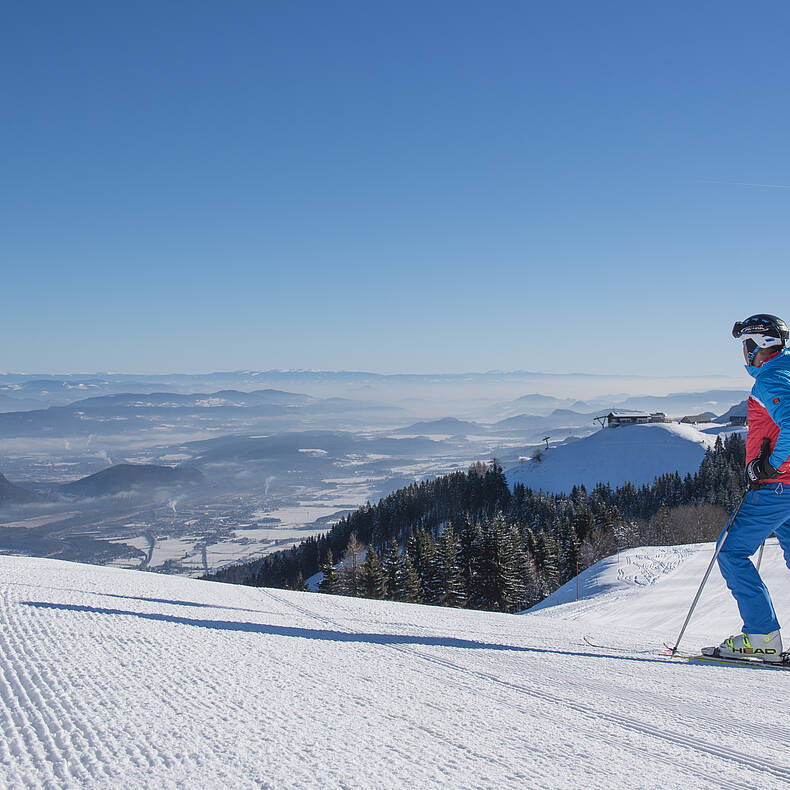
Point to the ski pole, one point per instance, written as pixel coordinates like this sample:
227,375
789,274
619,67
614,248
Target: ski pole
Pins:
710,568
760,556
765,450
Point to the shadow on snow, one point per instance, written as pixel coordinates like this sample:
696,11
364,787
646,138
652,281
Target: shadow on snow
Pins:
168,601
331,636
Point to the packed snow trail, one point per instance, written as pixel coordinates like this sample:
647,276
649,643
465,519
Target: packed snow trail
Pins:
115,678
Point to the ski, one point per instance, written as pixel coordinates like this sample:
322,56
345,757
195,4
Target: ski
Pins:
737,662
691,657
732,662
679,653
616,648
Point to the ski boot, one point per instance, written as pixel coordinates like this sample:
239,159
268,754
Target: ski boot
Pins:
759,647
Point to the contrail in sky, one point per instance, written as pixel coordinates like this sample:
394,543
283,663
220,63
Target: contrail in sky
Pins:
748,184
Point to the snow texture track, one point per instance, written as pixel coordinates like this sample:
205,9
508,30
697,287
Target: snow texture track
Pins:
113,678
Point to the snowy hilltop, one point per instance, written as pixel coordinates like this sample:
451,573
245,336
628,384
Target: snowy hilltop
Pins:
635,453
115,678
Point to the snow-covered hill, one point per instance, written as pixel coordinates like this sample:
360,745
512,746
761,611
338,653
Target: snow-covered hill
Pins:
638,453
113,678
645,588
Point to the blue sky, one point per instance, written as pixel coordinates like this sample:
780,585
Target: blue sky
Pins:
391,186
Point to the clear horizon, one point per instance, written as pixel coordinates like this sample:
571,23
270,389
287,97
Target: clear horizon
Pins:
341,371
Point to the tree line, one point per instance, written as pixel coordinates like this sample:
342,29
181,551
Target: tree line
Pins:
466,539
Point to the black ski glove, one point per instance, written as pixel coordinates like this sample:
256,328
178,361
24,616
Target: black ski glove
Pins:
760,468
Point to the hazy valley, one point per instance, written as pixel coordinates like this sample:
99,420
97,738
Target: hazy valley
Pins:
186,474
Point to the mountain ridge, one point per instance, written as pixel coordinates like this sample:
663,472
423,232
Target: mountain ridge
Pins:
125,477
11,494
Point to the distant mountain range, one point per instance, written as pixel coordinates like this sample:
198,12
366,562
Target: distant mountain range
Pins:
531,425
739,410
117,408
173,400
560,423
303,446
125,477
132,412
11,494
445,426
677,404
113,480
681,403
28,391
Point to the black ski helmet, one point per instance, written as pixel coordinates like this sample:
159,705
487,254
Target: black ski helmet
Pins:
760,331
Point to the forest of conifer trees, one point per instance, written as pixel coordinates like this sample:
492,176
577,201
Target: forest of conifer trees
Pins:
466,539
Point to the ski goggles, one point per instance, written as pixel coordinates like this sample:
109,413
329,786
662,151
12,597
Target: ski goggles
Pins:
751,348
761,333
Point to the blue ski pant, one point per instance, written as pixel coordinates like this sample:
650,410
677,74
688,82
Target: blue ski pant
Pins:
764,511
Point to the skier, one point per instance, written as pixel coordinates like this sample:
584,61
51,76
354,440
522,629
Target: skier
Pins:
766,508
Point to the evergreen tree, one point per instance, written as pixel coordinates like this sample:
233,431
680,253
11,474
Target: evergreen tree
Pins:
373,584
531,587
499,589
350,570
583,522
660,527
520,566
453,591
549,568
392,564
407,585
329,583
423,554
495,488
469,559
569,554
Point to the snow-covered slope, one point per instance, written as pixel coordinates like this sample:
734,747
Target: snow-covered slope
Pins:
637,453
646,588
112,678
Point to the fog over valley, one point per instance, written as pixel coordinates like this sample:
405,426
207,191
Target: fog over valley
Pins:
187,474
